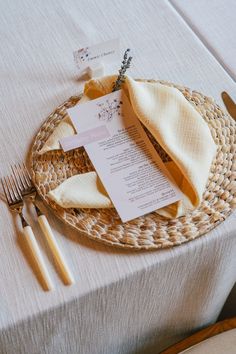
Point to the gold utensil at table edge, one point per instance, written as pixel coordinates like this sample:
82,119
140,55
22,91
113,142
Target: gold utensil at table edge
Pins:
15,204
28,190
229,104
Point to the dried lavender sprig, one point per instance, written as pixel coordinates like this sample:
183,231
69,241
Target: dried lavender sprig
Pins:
121,77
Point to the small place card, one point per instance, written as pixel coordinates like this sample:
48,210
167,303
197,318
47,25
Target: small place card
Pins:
105,52
128,165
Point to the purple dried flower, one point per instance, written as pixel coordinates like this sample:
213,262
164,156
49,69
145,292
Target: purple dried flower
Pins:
121,77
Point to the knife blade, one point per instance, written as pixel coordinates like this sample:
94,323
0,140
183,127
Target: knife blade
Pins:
229,104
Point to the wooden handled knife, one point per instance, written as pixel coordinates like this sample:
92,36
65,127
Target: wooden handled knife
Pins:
229,104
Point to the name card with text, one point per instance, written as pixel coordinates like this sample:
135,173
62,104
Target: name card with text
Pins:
102,53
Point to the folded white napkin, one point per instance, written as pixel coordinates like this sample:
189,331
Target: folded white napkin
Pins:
64,129
174,123
81,191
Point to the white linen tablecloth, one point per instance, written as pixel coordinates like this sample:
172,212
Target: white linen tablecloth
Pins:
122,302
214,23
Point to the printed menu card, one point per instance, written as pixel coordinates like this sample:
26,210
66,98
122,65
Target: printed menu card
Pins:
128,165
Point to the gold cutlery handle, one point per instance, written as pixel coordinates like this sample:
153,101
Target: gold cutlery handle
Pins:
34,248
47,231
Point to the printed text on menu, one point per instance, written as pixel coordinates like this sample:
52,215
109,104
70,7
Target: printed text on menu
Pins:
129,167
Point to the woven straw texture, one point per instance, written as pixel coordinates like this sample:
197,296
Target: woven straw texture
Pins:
150,231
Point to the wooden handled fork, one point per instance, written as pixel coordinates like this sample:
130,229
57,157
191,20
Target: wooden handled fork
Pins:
27,189
15,203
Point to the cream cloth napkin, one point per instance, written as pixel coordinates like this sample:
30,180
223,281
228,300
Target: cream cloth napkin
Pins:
81,191
173,122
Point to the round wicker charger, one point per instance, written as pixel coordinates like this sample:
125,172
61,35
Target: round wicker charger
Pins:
150,231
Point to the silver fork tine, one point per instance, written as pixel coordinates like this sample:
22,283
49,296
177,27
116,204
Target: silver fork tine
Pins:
10,189
27,174
16,186
6,190
23,173
15,190
18,178
14,200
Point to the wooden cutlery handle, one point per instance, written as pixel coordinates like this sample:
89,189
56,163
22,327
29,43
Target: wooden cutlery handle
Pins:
34,248
44,224
229,104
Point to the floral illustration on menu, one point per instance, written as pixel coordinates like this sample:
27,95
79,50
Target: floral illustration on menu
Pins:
108,109
84,53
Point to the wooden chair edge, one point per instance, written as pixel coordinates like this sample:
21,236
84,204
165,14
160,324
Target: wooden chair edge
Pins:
201,335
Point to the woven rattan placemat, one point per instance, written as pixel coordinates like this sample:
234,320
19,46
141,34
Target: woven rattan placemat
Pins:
150,231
